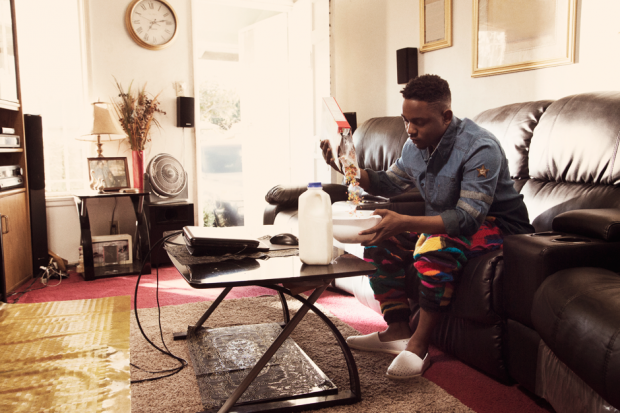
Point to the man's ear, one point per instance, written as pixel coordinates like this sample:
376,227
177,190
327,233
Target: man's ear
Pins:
447,116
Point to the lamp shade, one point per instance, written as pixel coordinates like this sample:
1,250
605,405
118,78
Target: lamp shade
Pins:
104,123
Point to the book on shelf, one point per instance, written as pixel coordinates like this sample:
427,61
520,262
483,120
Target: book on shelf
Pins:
334,125
7,131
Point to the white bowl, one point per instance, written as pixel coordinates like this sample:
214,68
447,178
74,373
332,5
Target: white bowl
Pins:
347,227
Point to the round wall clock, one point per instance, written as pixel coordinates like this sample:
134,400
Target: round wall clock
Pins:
151,23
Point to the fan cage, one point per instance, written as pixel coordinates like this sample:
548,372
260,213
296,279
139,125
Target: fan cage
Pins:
166,175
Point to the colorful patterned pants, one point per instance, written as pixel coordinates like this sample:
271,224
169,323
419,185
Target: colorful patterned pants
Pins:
438,261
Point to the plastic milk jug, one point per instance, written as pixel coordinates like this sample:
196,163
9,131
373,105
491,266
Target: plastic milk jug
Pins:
315,226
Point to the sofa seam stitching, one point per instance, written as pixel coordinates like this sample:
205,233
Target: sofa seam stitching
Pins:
614,154
555,119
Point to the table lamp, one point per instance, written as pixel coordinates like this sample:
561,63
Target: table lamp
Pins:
104,123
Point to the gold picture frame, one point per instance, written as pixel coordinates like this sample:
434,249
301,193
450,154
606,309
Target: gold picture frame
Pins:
435,24
511,36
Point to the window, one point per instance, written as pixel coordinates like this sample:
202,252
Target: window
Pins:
49,35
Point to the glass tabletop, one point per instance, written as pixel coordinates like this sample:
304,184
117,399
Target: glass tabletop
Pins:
250,271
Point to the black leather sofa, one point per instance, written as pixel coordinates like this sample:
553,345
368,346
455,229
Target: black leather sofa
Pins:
545,311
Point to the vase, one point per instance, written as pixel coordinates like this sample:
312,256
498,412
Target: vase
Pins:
137,158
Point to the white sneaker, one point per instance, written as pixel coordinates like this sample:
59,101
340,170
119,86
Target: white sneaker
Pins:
408,365
371,342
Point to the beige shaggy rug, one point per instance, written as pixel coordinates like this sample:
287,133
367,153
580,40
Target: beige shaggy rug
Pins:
180,393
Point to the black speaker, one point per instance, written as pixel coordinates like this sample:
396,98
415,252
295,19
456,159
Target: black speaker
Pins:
185,112
406,64
33,131
352,119
166,217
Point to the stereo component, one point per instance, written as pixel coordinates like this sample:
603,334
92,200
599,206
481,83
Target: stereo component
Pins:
33,134
9,141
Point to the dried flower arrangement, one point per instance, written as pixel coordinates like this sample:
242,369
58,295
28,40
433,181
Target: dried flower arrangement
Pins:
136,111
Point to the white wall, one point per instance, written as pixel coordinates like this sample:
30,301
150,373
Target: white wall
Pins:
367,33
111,53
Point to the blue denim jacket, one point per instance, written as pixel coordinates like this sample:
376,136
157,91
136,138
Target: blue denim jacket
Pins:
465,180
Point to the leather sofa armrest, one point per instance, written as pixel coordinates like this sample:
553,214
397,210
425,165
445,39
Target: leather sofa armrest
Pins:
286,196
595,223
530,258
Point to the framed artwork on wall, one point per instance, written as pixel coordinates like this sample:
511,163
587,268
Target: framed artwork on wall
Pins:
435,24
113,172
512,36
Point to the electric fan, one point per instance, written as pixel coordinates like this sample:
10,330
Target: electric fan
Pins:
165,180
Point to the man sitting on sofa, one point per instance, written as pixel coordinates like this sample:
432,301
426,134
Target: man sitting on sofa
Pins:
462,174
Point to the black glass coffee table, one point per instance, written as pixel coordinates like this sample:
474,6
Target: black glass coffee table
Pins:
288,276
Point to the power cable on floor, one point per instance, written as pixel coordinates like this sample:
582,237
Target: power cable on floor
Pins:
167,352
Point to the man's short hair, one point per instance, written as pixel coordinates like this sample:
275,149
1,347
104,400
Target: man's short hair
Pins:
429,88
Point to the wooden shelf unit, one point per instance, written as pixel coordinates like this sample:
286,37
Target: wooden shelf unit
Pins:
16,266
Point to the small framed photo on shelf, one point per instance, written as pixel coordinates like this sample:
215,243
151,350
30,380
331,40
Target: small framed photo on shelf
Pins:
112,171
112,250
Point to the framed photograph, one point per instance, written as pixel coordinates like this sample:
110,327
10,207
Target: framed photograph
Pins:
113,172
112,250
435,24
512,36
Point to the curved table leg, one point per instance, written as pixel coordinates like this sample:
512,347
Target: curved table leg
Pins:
285,311
354,378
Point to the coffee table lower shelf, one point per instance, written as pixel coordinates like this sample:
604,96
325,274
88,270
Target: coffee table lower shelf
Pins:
291,381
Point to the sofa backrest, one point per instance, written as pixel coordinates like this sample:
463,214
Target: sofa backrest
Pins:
514,126
563,154
379,142
573,157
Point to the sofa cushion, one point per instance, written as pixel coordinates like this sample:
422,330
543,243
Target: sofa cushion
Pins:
514,125
577,314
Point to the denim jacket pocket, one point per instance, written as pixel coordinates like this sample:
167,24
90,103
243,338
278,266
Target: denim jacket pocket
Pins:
446,192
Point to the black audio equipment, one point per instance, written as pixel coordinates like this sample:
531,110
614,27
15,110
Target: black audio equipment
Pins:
166,217
406,64
352,119
33,130
185,112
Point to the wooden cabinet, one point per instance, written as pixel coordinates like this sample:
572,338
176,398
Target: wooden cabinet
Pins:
15,242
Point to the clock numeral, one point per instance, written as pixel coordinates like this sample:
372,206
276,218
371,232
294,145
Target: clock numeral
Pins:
146,36
143,6
151,6
159,7
136,21
163,39
166,14
168,23
167,31
139,30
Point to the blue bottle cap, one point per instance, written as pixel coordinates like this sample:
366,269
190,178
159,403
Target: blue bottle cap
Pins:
315,185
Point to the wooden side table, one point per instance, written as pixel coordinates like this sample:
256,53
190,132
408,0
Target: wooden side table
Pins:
140,244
